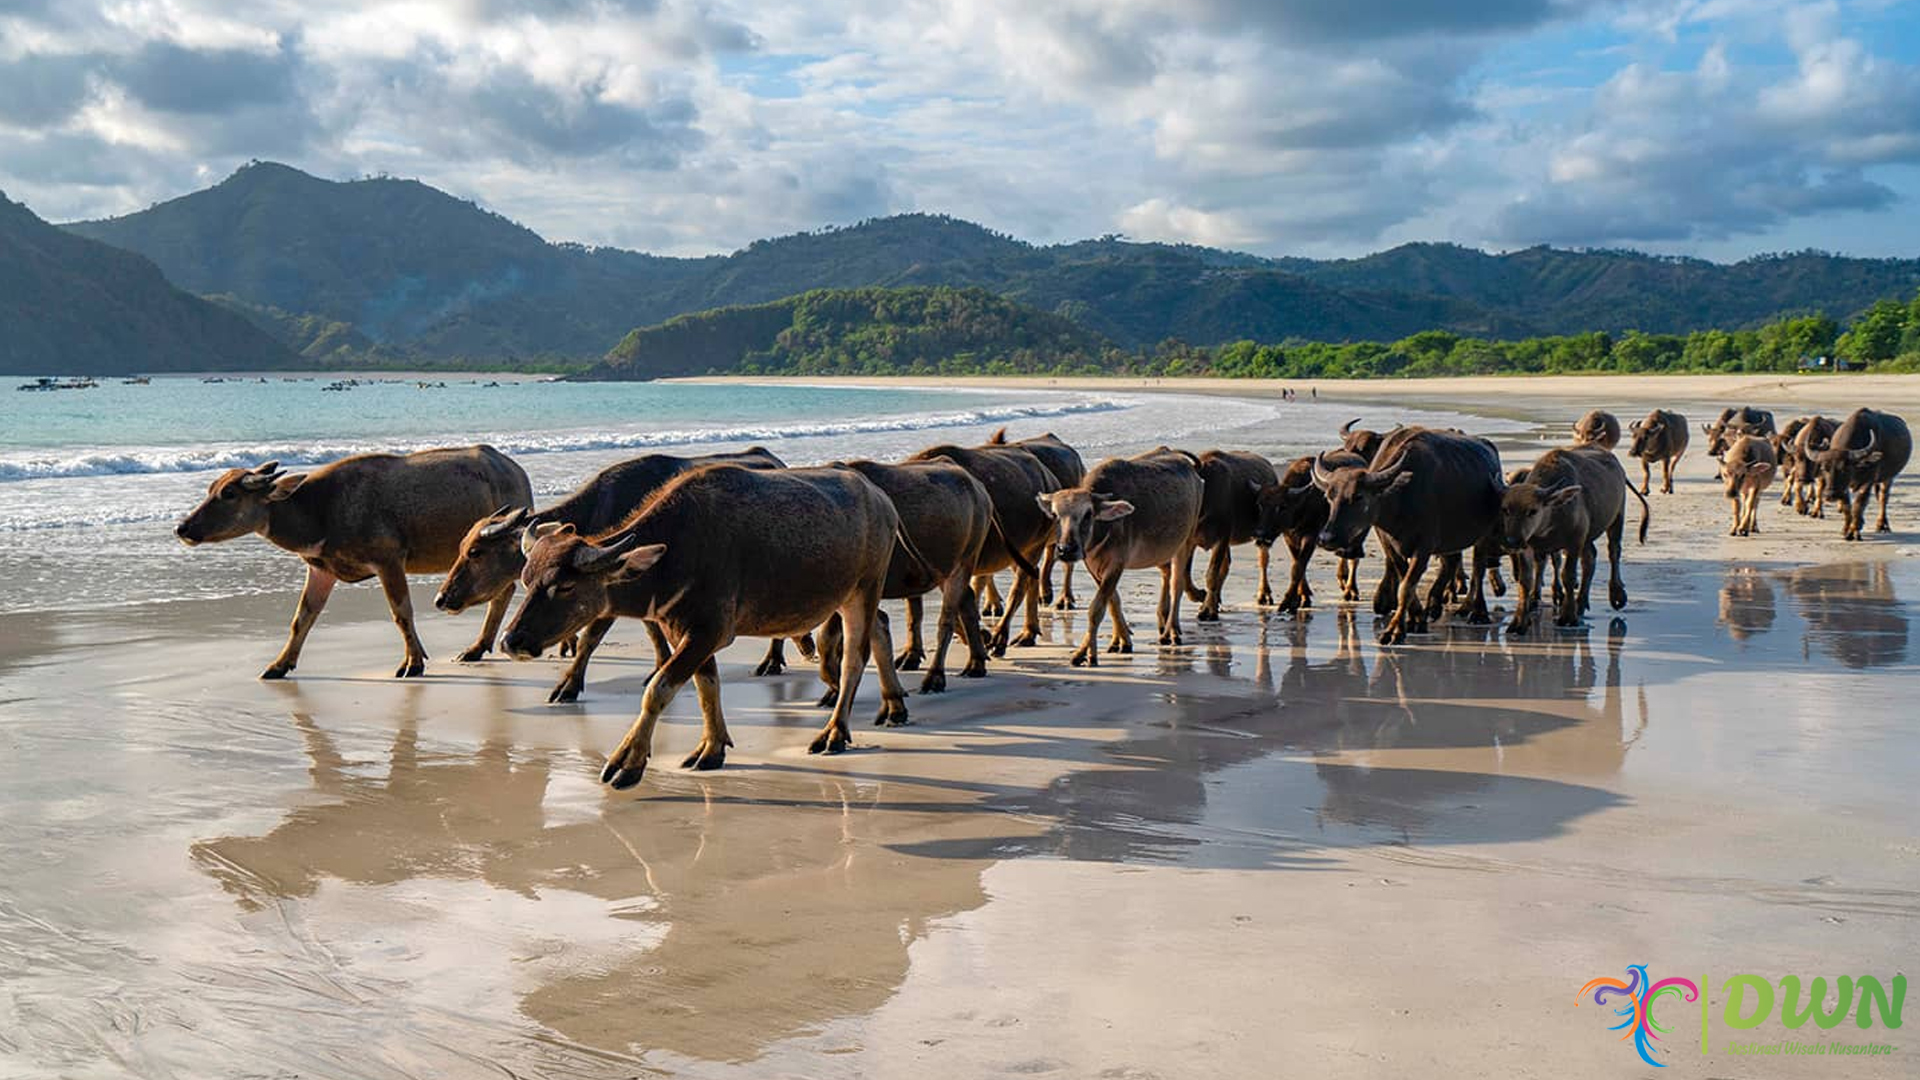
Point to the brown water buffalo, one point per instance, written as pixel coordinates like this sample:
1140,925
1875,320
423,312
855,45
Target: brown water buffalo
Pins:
1661,437
1428,493
722,552
1064,463
1748,467
947,515
1567,501
1869,449
1733,423
1294,509
492,556
1229,514
1013,477
372,515
1598,428
1362,441
1128,514
1794,448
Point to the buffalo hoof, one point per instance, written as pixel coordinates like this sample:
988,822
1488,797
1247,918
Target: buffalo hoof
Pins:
622,777
1172,637
411,669
934,683
1065,603
1478,617
1085,656
566,691
993,609
772,665
976,668
707,756
1203,615
997,643
1883,527
1617,595
1120,645
1046,597
831,741
277,671
892,714
569,646
910,660
1027,639
473,655
1518,626
828,699
1392,635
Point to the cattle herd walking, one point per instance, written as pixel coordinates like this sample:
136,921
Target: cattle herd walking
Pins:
703,550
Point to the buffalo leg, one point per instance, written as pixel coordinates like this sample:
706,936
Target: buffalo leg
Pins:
1486,559
574,679
1527,588
1121,640
1569,614
1446,581
893,696
1065,602
1616,585
989,593
1264,597
1297,597
954,598
1646,477
1886,490
313,600
976,637
628,762
1386,595
1589,562
856,621
1174,574
1219,561
1819,497
393,581
775,661
1409,596
915,653
1026,589
832,639
1088,653
662,648
1666,481
496,611
1046,577
1348,573
711,753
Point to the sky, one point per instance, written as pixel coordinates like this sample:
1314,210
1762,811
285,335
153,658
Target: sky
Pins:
1718,128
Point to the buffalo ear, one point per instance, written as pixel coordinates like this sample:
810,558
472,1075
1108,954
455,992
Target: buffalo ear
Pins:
640,558
1564,496
1397,483
1113,510
284,487
1256,486
1873,457
1046,505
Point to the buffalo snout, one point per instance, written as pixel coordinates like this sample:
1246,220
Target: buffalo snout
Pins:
520,646
444,602
1067,552
184,531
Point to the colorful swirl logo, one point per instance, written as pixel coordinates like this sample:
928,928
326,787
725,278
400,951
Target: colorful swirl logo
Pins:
1636,1014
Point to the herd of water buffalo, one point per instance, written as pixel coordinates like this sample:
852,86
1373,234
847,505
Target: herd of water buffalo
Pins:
707,549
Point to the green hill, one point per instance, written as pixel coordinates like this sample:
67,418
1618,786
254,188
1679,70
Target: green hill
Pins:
422,274
857,331
70,306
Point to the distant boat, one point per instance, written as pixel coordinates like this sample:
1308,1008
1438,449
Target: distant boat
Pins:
137,380
44,383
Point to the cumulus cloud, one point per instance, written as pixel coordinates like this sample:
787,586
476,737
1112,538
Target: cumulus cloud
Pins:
1272,125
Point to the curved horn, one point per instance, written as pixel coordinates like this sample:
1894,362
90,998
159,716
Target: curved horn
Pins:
1635,426
1397,426
1347,428
1322,476
591,558
1861,454
266,469
515,516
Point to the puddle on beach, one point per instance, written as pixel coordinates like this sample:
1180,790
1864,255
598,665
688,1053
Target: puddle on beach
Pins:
347,876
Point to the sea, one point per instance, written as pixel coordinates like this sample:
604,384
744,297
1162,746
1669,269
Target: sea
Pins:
92,481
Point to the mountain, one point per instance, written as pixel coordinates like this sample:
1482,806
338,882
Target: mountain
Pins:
420,273
70,306
856,331
403,263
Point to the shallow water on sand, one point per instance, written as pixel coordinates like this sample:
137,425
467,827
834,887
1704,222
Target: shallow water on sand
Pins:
1130,871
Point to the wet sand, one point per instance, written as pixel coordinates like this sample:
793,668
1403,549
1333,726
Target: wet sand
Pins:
1277,843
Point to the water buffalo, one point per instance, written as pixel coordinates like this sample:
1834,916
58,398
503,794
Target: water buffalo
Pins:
1748,467
947,515
1064,463
1567,501
1867,452
1129,513
1013,477
1661,437
492,556
1598,428
372,515
1796,447
712,557
1293,508
1362,441
1229,514
1733,423
1428,493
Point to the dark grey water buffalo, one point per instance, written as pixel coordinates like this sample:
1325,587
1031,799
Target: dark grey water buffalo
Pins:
1661,436
1598,428
1229,514
1733,423
1566,502
1294,509
1869,449
1748,466
1064,463
1013,477
373,515
1129,514
1795,447
492,556
719,553
947,516
1427,494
